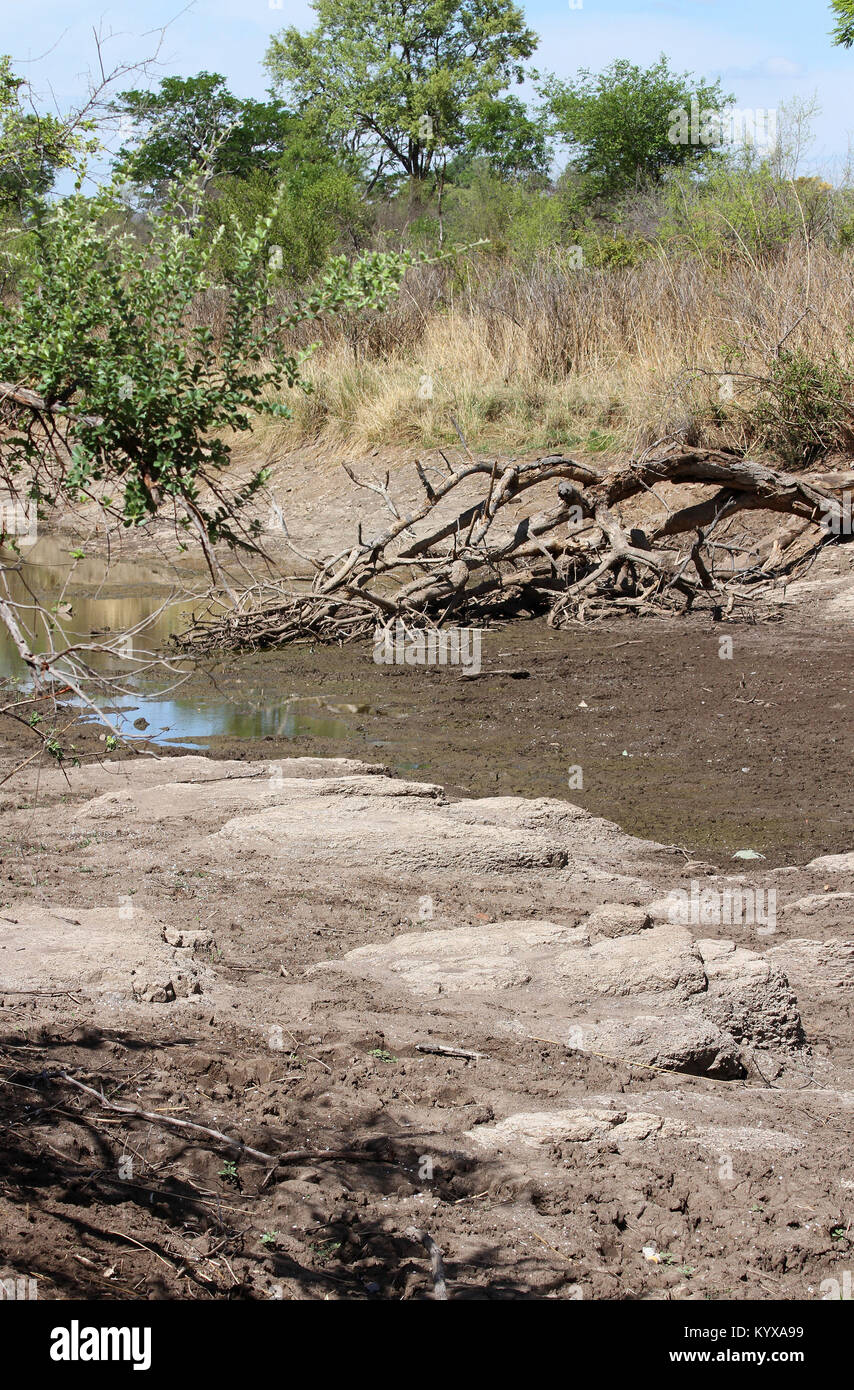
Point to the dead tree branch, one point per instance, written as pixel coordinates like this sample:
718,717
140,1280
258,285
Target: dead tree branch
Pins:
578,558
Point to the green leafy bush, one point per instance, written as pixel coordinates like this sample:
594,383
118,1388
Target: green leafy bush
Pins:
519,219
744,211
103,327
33,146
310,209
805,408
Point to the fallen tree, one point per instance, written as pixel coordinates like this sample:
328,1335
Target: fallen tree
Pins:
578,559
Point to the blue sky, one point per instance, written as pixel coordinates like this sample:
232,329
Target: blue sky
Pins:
766,52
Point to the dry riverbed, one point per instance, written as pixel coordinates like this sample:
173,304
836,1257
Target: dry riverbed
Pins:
274,934
653,1106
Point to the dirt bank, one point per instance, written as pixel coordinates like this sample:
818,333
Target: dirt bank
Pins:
656,1108
672,741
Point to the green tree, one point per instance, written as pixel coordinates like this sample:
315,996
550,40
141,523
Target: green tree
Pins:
33,146
104,331
843,34
513,143
403,80
620,123
195,120
743,211
314,205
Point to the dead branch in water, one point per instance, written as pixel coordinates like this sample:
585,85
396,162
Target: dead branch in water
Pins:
579,559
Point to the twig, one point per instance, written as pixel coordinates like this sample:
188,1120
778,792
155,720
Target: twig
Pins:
120,1235
449,1051
290,1156
437,1268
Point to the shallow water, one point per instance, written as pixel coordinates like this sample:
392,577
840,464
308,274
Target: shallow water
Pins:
101,602
675,743
97,601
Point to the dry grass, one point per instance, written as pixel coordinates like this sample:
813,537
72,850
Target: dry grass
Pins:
599,358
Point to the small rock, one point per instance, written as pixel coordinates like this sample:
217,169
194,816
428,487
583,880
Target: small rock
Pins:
192,939
157,994
576,1127
616,919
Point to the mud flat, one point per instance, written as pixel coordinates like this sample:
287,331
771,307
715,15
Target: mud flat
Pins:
555,1047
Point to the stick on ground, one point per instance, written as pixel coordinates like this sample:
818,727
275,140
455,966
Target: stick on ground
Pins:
289,1156
437,1267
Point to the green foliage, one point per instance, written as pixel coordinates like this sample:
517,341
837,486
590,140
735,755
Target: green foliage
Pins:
843,34
743,211
311,204
507,214
192,121
617,251
619,123
514,144
805,408
539,222
405,79
262,160
108,324
33,147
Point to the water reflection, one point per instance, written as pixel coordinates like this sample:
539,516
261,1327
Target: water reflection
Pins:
102,601
188,722
99,601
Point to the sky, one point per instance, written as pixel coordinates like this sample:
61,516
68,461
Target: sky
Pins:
765,51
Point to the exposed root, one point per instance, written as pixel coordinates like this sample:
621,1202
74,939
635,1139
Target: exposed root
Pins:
577,561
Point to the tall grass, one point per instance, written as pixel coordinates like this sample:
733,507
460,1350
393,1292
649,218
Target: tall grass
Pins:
609,358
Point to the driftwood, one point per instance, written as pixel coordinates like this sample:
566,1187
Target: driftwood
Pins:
578,559
22,395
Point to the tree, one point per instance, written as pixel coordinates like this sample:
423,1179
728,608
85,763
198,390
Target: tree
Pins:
513,143
620,123
103,331
195,120
315,203
843,34
112,392
33,147
404,80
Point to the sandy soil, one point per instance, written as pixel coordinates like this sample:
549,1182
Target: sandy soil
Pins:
265,952
264,940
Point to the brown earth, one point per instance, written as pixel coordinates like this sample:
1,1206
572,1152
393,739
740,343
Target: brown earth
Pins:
652,1114
673,742
264,952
